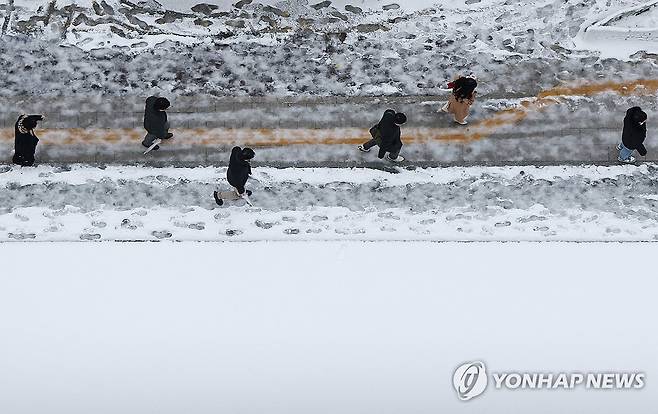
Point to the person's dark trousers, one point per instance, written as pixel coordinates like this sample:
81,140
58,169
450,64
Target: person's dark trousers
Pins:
149,138
394,151
25,162
371,143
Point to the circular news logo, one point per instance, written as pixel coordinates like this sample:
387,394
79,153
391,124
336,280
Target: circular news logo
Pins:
470,380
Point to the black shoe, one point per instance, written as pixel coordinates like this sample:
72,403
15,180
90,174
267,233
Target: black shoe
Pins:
248,193
168,136
218,200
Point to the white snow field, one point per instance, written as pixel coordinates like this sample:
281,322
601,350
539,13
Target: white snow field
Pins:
565,203
299,328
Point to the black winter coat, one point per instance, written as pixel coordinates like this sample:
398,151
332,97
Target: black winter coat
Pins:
239,170
25,142
634,134
390,132
155,122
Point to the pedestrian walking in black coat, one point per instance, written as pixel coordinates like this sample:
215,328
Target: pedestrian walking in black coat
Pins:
634,134
155,121
239,170
25,140
387,135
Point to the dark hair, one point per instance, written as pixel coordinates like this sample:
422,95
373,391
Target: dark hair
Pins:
29,123
464,88
400,118
161,104
640,116
247,153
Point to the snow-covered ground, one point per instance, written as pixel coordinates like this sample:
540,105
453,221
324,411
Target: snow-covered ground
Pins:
623,32
114,48
300,328
618,203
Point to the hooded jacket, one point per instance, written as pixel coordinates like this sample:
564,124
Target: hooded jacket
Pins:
390,132
238,171
25,141
634,134
155,122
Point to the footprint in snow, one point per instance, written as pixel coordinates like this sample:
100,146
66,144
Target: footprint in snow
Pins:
531,218
22,236
389,214
22,217
233,232
161,234
291,231
127,224
90,236
458,217
263,224
314,231
348,231
99,224
316,219
196,226
427,222
503,224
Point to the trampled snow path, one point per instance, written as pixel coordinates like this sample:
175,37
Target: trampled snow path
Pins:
459,203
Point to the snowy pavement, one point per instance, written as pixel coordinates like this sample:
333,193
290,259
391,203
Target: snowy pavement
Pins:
304,328
576,203
569,123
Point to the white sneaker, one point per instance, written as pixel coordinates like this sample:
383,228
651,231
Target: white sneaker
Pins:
445,107
398,159
618,147
629,160
360,147
461,123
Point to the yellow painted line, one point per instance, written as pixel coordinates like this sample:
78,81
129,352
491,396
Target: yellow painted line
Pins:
263,137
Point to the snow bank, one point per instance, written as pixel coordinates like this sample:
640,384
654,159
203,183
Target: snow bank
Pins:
459,204
624,32
297,49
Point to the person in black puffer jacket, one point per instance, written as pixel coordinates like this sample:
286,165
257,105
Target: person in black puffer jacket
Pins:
387,135
633,136
239,170
155,121
25,141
